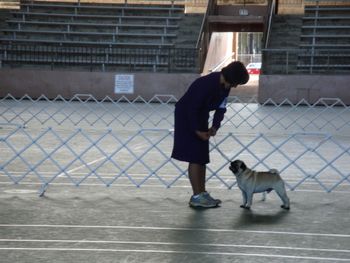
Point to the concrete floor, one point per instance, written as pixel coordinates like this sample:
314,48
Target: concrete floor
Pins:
153,224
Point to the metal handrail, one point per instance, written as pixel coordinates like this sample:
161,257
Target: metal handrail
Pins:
325,61
125,2
222,62
161,59
201,31
202,41
272,10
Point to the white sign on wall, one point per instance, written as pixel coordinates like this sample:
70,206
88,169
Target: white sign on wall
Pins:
124,84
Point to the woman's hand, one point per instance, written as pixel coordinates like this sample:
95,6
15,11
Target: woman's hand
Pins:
206,135
212,131
203,135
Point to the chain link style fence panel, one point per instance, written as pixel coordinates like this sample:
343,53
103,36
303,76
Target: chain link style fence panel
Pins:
83,110
85,141
142,158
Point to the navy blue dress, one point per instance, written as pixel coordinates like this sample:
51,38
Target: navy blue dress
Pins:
205,94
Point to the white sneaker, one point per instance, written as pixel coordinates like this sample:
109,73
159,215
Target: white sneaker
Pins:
203,200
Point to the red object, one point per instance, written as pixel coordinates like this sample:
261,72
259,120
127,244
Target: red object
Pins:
254,68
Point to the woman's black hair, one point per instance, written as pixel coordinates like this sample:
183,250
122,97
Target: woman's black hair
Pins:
235,73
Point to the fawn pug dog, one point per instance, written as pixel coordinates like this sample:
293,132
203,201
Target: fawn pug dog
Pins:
250,182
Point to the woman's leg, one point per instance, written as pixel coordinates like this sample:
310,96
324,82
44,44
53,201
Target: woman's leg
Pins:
196,173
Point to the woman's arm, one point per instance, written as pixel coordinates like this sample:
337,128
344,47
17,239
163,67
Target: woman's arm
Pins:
219,115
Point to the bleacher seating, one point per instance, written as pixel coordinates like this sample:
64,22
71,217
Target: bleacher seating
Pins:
325,39
101,35
283,43
317,41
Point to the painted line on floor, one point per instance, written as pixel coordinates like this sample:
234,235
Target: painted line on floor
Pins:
82,166
179,229
143,175
164,187
227,178
84,241
175,252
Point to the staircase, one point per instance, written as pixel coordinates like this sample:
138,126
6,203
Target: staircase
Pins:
325,39
100,36
284,38
189,27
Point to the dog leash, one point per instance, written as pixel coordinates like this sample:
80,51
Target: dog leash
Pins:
215,146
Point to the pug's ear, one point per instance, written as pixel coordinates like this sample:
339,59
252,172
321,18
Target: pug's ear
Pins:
243,166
